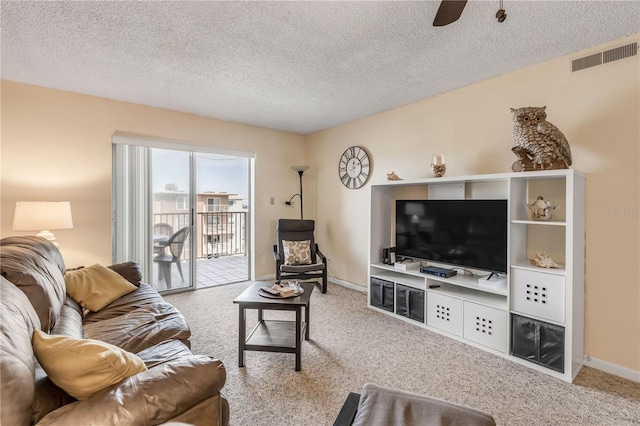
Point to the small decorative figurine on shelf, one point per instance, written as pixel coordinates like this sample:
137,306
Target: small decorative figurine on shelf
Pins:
438,166
539,144
543,261
541,209
393,176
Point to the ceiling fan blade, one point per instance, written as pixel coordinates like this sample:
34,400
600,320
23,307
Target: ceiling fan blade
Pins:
448,12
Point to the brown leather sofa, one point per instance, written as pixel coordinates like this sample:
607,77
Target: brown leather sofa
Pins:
177,386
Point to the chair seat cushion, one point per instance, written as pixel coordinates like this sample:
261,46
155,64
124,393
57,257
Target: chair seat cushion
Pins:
302,268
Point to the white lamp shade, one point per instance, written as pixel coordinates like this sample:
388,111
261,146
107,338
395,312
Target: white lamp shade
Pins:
300,168
41,215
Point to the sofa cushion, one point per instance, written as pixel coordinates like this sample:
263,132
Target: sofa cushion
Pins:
83,366
96,286
18,319
36,267
48,396
137,321
167,351
141,328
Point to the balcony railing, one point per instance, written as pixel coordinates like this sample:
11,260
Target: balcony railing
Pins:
221,233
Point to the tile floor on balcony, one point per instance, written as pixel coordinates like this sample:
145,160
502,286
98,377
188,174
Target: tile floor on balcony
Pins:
211,272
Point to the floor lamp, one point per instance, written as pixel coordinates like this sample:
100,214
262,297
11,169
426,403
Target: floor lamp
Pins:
300,170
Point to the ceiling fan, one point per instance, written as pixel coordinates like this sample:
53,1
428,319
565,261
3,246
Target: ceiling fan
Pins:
450,10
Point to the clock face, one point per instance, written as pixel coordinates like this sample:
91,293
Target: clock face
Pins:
354,167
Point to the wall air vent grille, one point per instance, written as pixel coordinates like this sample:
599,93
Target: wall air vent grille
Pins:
604,57
620,53
586,62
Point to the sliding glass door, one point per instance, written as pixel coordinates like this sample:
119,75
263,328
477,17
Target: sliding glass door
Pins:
184,215
172,216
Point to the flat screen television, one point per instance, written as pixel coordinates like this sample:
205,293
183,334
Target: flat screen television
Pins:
463,233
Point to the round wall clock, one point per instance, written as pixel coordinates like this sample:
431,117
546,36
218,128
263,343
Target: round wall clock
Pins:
354,167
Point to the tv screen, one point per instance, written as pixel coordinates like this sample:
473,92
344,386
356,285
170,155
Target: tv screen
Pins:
465,233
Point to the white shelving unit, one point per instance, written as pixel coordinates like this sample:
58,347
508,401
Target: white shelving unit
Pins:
547,303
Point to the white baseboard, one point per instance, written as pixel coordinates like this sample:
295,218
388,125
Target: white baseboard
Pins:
616,370
347,284
343,283
269,277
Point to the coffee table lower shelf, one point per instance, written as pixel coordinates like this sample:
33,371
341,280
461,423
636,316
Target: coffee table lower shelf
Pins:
275,336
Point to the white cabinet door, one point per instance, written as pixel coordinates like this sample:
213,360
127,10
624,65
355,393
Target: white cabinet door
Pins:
538,294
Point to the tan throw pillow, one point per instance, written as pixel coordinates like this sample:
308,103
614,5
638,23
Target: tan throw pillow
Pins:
96,286
83,366
297,252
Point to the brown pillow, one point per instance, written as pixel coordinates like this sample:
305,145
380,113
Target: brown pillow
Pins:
96,286
83,366
297,252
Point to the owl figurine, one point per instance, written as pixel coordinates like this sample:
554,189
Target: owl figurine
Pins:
539,144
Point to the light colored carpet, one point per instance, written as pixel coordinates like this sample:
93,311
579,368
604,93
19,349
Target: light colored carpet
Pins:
351,345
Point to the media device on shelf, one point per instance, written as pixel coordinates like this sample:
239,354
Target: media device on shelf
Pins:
438,272
469,233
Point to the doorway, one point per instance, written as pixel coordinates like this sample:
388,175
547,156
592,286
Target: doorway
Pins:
182,214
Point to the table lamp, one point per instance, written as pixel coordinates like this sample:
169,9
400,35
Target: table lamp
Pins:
43,216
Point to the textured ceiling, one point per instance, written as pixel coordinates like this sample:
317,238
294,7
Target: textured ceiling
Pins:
295,66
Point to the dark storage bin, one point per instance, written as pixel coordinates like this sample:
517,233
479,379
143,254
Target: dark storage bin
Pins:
410,302
538,342
381,294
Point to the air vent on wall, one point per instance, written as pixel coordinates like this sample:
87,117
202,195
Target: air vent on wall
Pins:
604,57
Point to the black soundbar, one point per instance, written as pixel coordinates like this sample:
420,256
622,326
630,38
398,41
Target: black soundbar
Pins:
438,272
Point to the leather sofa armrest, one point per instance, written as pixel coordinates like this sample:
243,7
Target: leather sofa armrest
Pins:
152,397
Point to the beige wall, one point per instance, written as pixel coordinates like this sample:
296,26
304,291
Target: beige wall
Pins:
597,109
57,146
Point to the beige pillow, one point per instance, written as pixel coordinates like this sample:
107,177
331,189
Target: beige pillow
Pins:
297,252
96,286
83,366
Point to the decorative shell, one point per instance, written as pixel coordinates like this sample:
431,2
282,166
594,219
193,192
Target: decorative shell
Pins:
543,261
541,209
393,176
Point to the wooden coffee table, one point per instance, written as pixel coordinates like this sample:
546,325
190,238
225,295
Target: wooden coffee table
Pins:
273,335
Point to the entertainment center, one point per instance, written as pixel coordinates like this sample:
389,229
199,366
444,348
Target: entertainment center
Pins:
533,316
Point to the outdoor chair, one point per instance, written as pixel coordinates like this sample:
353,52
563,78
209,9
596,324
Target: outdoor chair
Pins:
296,254
161,234
175,243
